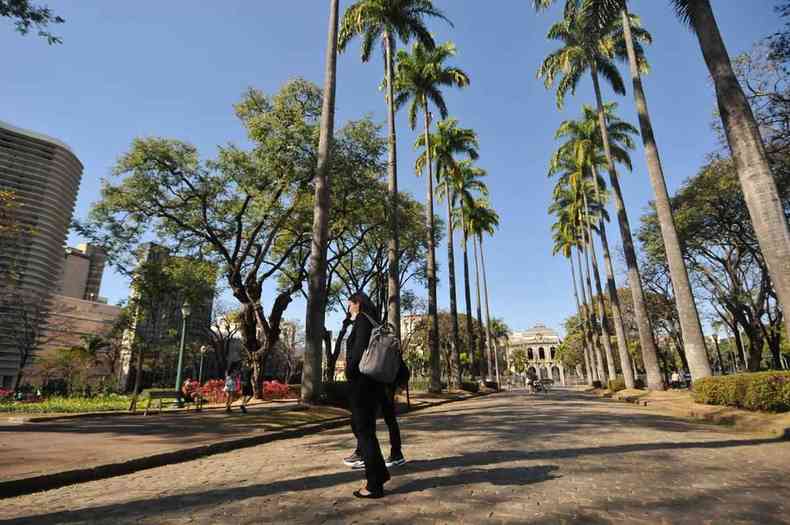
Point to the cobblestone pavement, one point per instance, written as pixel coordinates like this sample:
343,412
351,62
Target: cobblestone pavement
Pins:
560,458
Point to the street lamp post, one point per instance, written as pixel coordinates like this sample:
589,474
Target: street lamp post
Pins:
185,311
203,350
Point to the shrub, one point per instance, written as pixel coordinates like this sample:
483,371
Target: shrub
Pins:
596,384
275,390
68,404
639,383
6,395
617,384
769,391
470,386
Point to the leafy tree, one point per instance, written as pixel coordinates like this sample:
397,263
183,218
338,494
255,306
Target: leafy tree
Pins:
419,78
27,15
388,21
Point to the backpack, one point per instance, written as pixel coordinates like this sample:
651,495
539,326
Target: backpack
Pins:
382,359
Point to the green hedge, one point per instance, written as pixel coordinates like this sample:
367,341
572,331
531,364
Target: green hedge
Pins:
68,405
617,384
769,391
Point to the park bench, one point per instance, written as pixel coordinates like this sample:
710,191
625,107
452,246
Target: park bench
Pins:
165,395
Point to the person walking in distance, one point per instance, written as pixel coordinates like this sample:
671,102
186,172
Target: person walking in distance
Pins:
230,387
246,388
365,397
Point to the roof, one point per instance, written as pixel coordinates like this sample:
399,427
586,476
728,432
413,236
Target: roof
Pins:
36,135
539,333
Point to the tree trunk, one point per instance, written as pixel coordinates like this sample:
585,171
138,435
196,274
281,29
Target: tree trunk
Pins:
654,379
138,373
581,317
693,340
489,341
605,331
748,151
597,334
586,322
393,248
456,341
316,295
484,350
476,360
433,326
614,299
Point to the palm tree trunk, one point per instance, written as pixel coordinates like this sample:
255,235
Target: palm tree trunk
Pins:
748,151
588,333
475,360
649,355
693,340
489,340
607,343
314,318
433,331
451,268
614,299
597,334
393,248
482,345
585,349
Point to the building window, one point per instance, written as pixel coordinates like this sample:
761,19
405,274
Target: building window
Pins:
553,353
541,353
530,355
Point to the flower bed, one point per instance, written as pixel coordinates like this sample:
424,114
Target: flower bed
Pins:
769,391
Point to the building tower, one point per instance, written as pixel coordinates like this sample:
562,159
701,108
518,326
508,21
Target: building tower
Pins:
44,175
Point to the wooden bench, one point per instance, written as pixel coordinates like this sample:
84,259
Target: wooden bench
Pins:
160,395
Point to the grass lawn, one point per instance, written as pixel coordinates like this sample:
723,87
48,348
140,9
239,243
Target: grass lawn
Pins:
67,405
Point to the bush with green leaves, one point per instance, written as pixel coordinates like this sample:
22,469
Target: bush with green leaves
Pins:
617,384
61,405
768,391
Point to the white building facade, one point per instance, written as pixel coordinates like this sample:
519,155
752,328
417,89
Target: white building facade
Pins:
540,344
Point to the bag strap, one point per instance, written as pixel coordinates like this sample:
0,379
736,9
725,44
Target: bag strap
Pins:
375,323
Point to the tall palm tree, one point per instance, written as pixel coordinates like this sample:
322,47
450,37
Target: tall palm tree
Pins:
570,199
448,142
419,78
588,46
316,295
743,137
486,220
746,145
386,20
583,145
468,188
564,241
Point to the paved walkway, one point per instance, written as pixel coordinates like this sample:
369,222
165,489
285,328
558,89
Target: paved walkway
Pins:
560,458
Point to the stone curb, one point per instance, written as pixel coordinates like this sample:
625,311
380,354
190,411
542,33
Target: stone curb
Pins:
28,418
19,487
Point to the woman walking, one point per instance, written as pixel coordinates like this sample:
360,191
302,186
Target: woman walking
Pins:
366,395
246,388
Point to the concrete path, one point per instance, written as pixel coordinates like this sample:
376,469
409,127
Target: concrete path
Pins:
560,458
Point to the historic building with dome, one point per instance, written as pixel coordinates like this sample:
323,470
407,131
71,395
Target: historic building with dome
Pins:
540,344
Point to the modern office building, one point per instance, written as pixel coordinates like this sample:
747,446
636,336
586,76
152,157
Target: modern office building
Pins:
44,175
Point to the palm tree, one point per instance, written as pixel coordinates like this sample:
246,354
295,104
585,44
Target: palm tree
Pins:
316,296
486,220
419,78
447,142
570,199
743,136
387,20
564,241
584,145
592,46
568,228
748,151
468,188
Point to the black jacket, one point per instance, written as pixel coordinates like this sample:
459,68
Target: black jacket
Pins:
356,344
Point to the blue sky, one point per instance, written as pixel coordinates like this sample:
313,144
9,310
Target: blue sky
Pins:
175,68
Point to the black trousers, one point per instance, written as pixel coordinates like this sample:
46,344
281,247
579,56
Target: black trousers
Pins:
365,399
387,403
